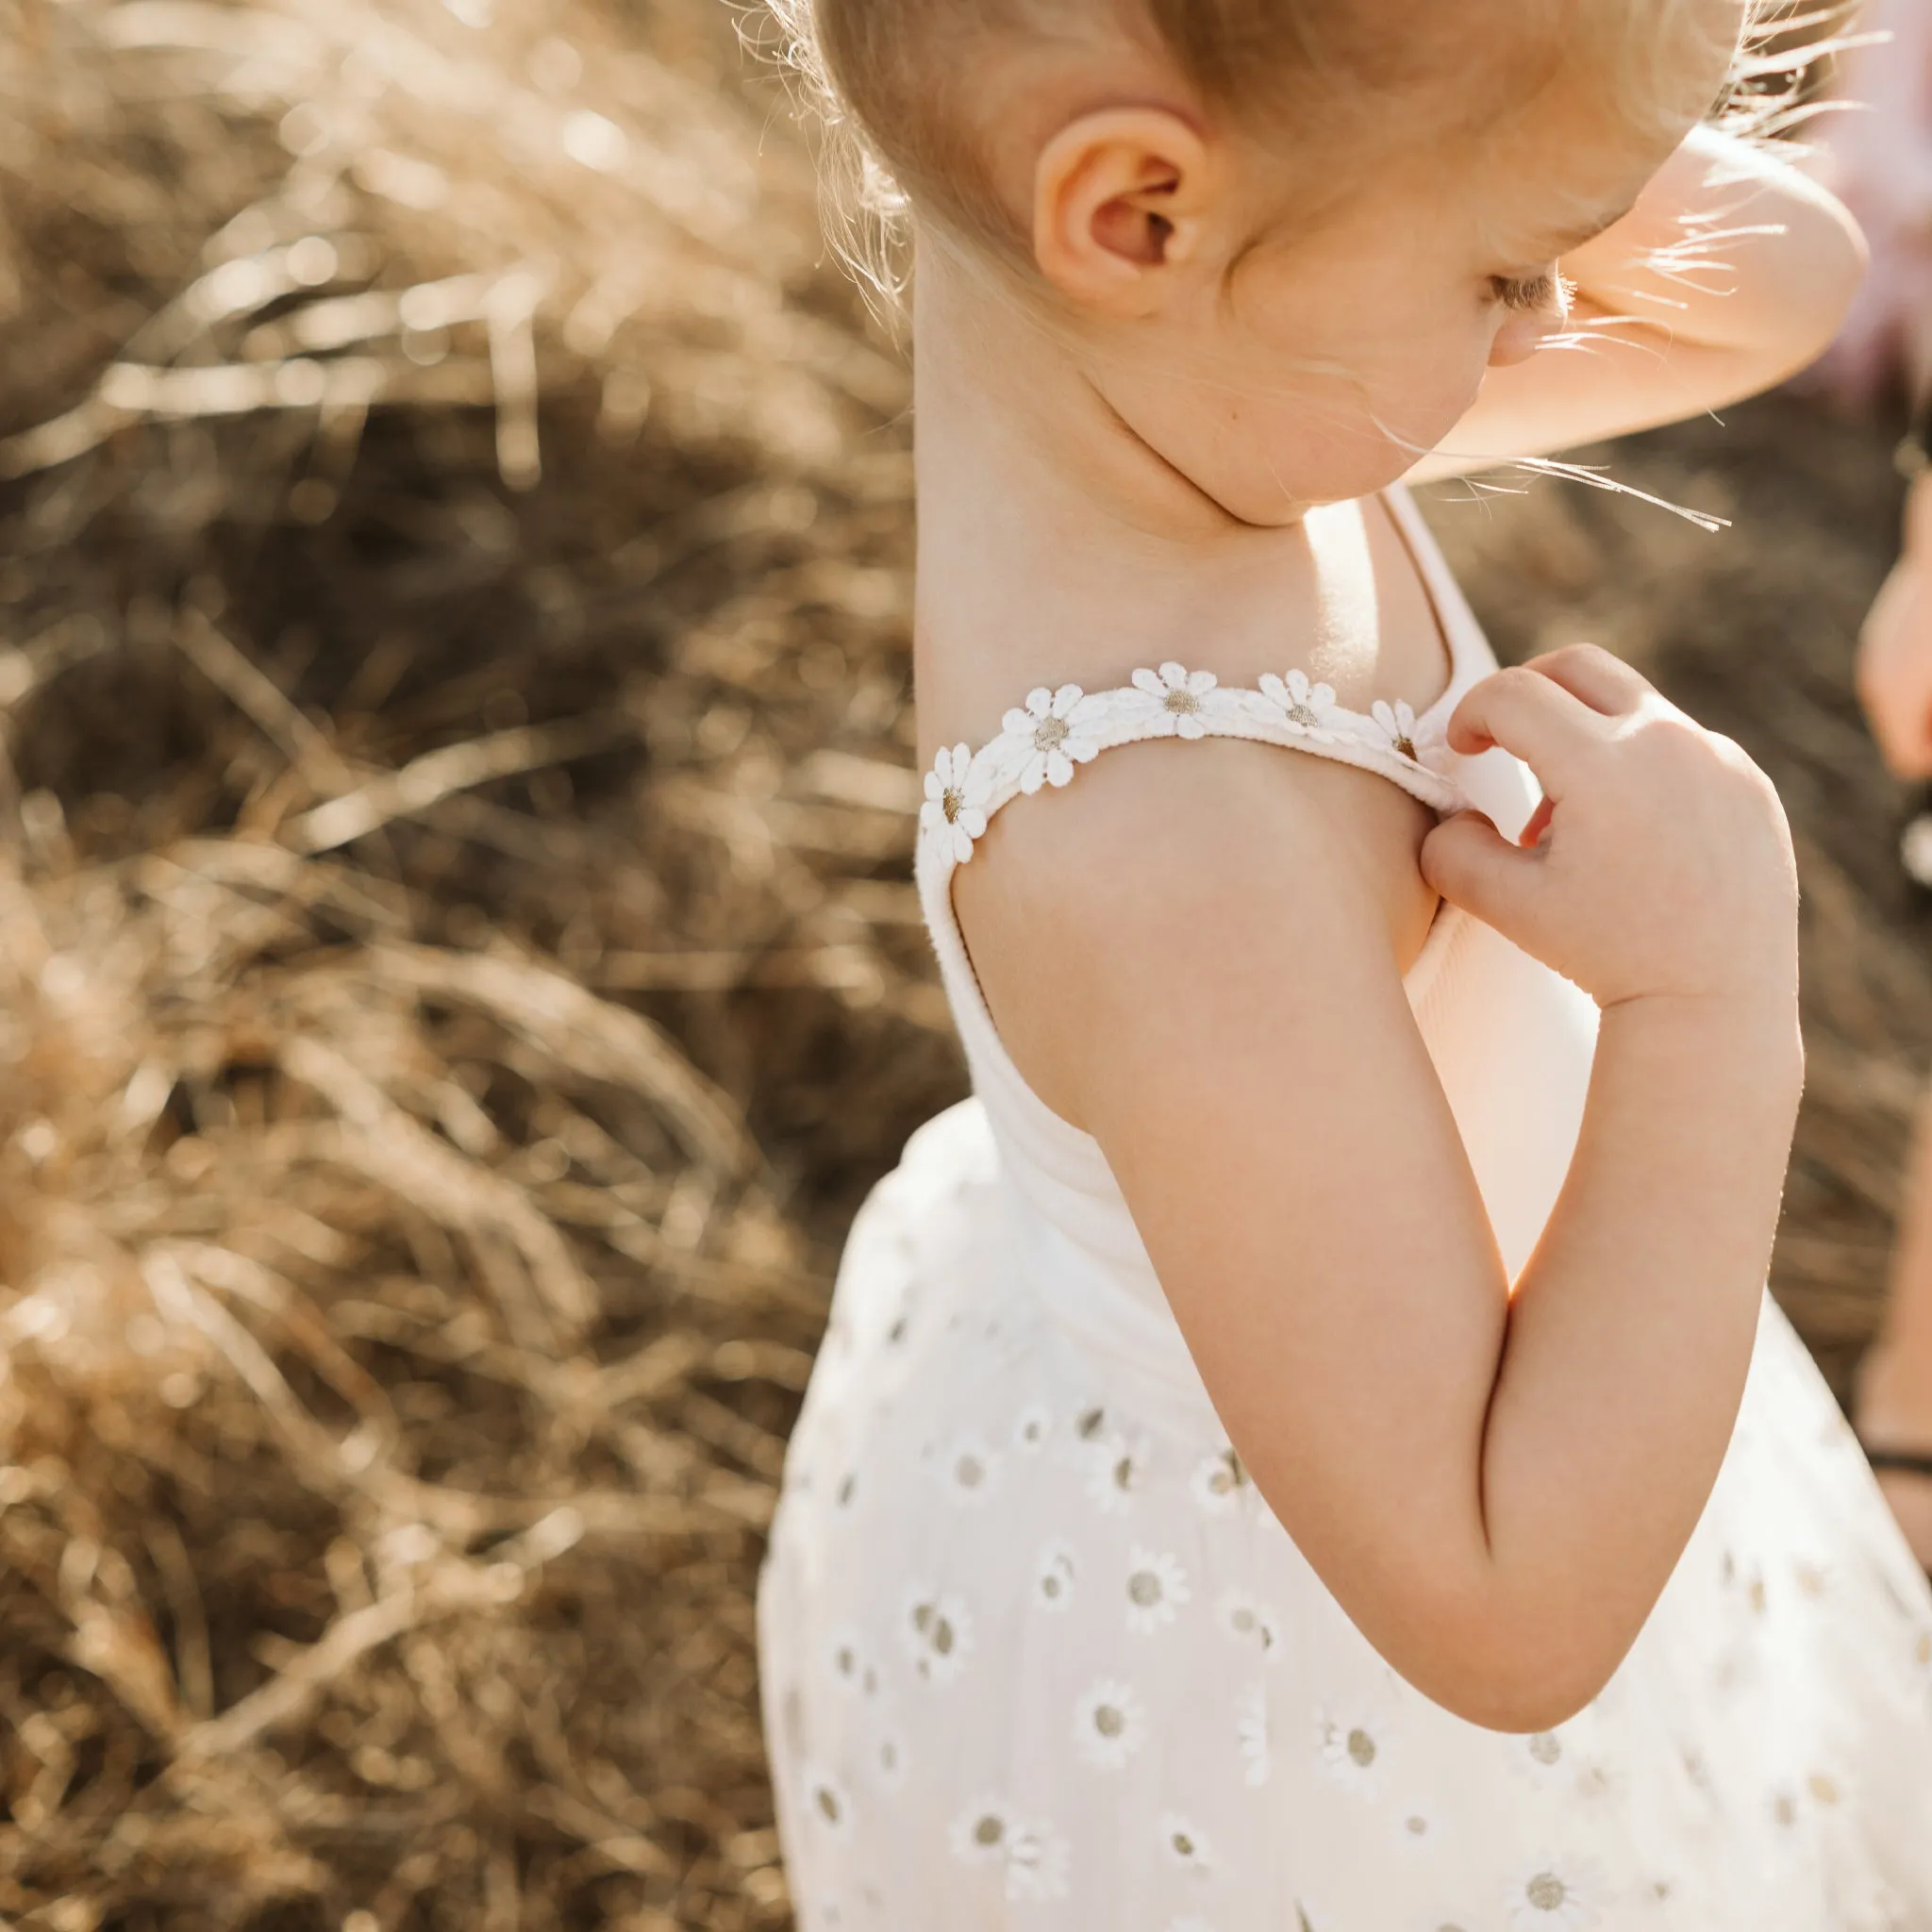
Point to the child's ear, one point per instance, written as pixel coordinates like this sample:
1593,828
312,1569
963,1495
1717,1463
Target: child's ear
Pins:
1119,202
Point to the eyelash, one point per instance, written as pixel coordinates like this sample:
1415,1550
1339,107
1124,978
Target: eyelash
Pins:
1534,294
1527,296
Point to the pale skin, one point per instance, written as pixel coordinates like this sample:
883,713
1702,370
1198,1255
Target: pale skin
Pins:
1494,1478
1893,1407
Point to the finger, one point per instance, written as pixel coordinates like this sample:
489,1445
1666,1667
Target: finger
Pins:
1471,865
1528,715
1910,758
1532,833
1587,671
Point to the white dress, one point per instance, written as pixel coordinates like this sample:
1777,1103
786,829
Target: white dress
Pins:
1035,1653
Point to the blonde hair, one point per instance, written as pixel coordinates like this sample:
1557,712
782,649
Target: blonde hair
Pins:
888,81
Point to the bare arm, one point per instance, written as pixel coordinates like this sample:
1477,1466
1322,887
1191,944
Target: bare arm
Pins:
1495,1491
1731,272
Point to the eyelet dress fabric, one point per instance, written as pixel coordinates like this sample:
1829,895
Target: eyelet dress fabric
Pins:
1035,1653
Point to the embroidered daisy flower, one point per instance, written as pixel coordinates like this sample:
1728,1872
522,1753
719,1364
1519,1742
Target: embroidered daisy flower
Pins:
982,1834
956,796
1109,1724
1184,1844
1595,1780
1058,734
1813,1578
1398,725
1550,1896
1352,1747
938,1635
847,1659
1249,1620
1251,1733
1053,1576
1309,707
827,1801
969,1472
888,1759
1219,1482
1116,1472
1157,1587
1416,1826
1539,1757
1037,1864
1173,699
1031,1427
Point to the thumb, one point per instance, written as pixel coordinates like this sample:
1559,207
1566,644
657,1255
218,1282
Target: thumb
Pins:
1471,865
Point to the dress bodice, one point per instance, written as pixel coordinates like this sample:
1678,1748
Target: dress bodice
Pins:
1511,1041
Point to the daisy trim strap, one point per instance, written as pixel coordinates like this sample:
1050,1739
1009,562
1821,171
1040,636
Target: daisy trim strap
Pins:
1043,742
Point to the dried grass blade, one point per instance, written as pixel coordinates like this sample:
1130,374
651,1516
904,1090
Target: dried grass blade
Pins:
378,1138
438,774
590,1036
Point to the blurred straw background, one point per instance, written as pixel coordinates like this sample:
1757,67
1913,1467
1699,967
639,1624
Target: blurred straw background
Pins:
459,965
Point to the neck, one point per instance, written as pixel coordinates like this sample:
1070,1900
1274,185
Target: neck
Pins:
1055,546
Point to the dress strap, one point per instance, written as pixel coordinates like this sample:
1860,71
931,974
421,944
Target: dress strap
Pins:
1046,740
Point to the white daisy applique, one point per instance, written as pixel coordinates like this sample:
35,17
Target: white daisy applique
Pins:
937,1631
1157,1588
1540,1757
1416,1827
1353,1749
969,1471
1032,1856
1309,710
1173,701
956,796
1032,1427
1247,1619
888,1759
1053,1576
1219,1482
1596,1781
1038,1864
1116,1472
1398,726
982,1834
827,1801
1054,729
1552,1896
1184,1844
847,1659
1109,1724
1251,1735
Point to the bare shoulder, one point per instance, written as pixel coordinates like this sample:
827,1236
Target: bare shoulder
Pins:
1177,874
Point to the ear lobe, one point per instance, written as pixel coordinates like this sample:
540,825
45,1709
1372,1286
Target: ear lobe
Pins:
1119,202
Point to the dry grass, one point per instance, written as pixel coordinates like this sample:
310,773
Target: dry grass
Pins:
448,842
459,963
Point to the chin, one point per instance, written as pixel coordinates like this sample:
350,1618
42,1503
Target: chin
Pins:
1283,491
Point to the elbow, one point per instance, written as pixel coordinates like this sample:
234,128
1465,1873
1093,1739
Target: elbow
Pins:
1832,252
1516,1679
1523,1701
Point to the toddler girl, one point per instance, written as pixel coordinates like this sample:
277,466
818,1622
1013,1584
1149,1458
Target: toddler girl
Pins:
1307,1449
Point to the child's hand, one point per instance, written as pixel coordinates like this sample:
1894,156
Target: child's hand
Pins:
1895,650
1660,864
